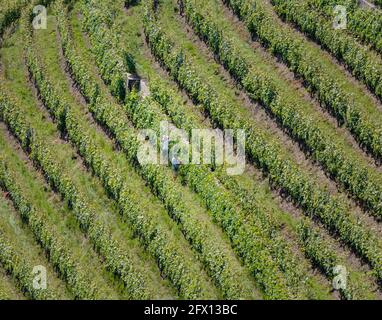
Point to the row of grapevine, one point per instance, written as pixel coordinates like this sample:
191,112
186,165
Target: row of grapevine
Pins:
295,54
170,259
364,64
21,272
322,255
304,190
356,177
10,11
112,64
232,219
162,185
224,199
145,115
3,294
365,24
48,238
326,259
169,103
117,261
204,183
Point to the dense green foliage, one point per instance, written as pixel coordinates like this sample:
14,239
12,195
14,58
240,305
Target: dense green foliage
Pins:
21,272
112,65
364,23
303,189
348,171
363,63
48,238
108,225
294,53
144,116
9,12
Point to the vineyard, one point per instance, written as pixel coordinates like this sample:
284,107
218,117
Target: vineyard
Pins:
85,84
